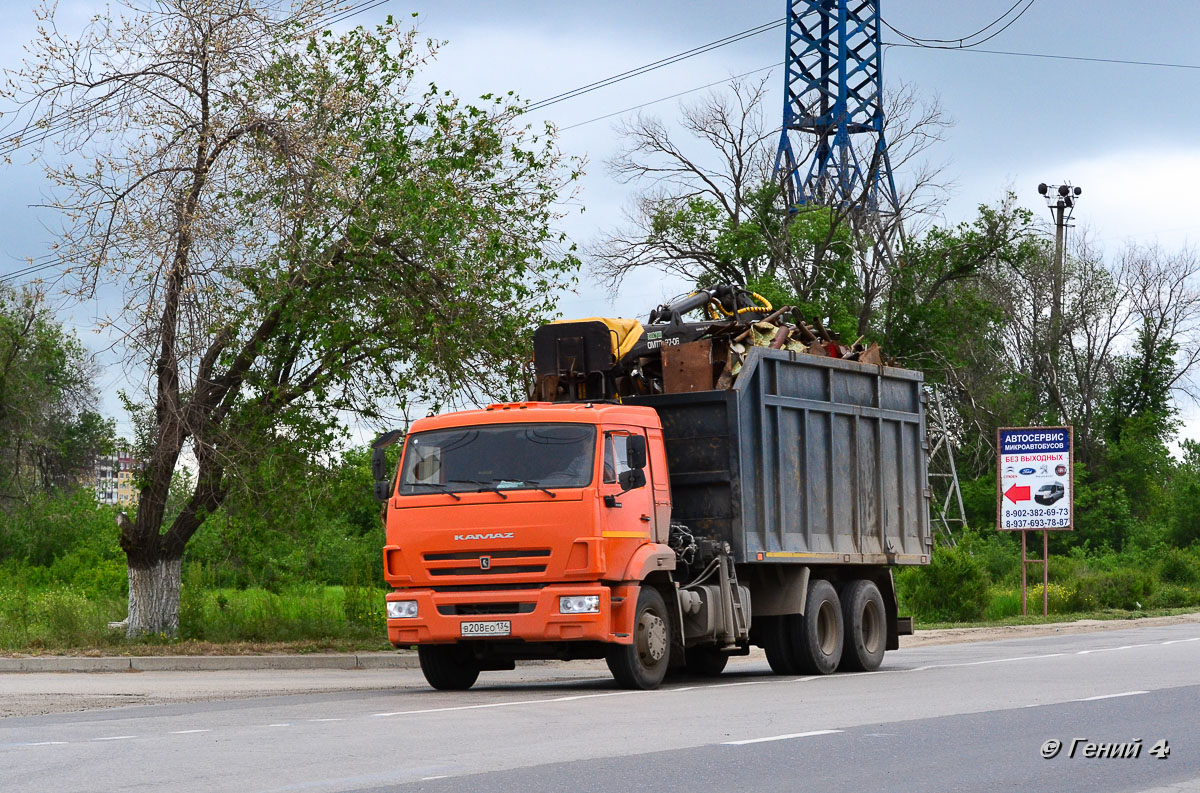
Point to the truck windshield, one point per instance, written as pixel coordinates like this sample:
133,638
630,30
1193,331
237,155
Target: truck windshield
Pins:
507,457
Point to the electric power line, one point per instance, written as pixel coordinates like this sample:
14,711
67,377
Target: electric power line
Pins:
969,35
672,96
649,67
1014,53
941,44
1121,61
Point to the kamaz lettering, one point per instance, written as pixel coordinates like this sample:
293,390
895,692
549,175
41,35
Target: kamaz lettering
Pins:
503,535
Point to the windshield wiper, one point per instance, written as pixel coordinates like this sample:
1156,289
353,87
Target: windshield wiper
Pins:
538,486
483,486
438,485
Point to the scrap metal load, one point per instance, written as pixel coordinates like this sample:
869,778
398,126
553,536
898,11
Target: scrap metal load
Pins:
601,358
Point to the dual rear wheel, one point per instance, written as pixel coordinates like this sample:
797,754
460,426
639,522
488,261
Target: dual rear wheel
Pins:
847,632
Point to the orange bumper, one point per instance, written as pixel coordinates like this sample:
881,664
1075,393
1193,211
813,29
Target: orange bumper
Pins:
538,618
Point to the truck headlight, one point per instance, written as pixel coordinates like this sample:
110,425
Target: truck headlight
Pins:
401,609
579,604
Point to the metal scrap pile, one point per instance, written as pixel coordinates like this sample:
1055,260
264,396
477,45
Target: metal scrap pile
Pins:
715,360
606,358
814,339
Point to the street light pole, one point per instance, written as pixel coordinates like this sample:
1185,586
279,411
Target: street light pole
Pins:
1061,201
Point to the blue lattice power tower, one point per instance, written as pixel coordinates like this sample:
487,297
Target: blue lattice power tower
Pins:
834,91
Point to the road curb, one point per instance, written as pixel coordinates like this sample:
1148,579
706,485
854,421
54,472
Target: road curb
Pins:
209,663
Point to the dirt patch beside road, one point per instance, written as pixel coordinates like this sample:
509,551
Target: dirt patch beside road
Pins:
996,633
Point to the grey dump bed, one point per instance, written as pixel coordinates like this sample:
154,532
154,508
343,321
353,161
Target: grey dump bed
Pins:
806,459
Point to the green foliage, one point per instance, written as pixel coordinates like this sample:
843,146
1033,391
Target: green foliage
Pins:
953,587
1103,515
55,524
1178,566
49,432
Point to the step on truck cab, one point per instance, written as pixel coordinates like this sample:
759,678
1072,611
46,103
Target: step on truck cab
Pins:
668,531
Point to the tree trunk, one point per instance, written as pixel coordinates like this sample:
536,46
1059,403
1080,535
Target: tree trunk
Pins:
154,598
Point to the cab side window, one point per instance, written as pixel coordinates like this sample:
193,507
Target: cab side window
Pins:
616,460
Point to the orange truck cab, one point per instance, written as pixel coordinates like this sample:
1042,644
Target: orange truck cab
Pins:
524,531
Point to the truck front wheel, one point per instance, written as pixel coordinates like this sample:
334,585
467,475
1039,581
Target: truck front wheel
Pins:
448,667
643,664
866,626
818,642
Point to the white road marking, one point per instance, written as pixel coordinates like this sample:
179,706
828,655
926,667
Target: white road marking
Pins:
47,743
115,738
744,683
428,778
279,725
989,661
1179,641
326,719
509,704
187,732
1110,696
781,737
1112,649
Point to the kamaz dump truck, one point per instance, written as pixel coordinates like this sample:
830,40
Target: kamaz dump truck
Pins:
663,530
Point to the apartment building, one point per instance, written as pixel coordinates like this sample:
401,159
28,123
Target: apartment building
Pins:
113,477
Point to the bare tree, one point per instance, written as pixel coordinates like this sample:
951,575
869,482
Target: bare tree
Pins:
1164,296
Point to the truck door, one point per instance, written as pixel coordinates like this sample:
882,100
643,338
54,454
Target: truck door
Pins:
634,518
659,484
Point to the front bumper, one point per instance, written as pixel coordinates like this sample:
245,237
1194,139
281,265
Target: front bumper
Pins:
534,615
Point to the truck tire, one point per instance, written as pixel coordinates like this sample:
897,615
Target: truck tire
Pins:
643,664
778,644
705,662
817,645
865,621
448,667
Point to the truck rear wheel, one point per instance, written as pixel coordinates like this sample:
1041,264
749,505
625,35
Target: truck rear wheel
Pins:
448,667
777,643
643,664
817,645
705,662
866,627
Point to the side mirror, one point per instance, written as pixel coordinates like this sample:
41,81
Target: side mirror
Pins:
635,454
379,472
632,479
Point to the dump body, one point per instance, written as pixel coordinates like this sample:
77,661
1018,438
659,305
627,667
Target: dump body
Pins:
806,460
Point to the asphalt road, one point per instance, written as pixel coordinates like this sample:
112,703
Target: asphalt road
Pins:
960,717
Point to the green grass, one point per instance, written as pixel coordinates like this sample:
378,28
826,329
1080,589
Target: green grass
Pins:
1034,617
312,617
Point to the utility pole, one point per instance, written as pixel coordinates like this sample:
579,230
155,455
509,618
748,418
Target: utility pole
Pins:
1061,200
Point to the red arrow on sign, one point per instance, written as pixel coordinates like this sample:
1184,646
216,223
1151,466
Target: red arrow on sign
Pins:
1015,494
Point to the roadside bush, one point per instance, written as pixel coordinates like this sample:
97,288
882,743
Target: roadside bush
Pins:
1177,566
954,587
1113,589
1173,596
998,552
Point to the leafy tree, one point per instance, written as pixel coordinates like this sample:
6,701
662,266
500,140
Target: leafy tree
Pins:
49,430
303,230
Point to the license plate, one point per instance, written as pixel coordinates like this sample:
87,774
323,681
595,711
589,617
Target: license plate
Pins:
500,628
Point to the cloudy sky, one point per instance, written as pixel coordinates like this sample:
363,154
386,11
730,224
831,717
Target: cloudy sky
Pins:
1127,134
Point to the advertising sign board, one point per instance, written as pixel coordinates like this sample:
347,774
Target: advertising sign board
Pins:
1034,479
